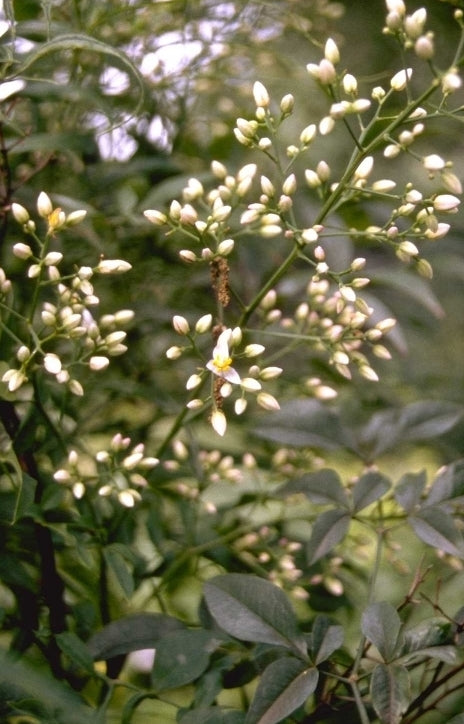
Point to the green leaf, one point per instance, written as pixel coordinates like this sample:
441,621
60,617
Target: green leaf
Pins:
42,689
132,633
390,692
284,686
77,41
448,484
432,632
304,423
321,487
428,419
409,490
119,560
181,657
325,639
381,624
380,434
212,715
368,489
437,529
329,529
76,651
459,719
252,609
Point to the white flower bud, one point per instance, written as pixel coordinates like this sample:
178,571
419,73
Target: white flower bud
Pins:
445,202
267,401
254,350
192,382
250,384
98,363
289,185
52,258
44,205
331,51
52,363
225,247
451,182
113,266
22,251
180,324
327,72
260,95
451,82
408,248
33,271
286,104
350,84
194,404
364,168
20,213
156,217
308,134
312,179
424,47
326,126
240,406
219,422
62,476
433,162
270,373
400,79
383,185
348,294
414,24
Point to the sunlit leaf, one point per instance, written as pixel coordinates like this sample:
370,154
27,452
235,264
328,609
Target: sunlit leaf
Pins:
253,609
284,686
329,529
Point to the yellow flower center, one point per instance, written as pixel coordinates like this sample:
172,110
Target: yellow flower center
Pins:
222,363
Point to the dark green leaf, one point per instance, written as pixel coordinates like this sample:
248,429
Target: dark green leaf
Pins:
118,559
423,420
284,686
181,657
390,692
76,651
321,487
409,490
212,715
447,654
253,609
42,689
437,528
381,624
325,639
304,423
329,529
132,633
380,434
369,488
448,484
432,632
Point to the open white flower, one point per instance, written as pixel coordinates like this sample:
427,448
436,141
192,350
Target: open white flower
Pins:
221,362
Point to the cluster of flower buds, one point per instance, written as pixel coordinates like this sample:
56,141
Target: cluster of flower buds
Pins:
61,332
227,382
411,32
119,472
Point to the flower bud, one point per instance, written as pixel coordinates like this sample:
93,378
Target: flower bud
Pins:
180,324
400,79
445,202
286,104
219,422
204,324
331,51
22,251
308,134
20,213
113,266
98,363
52,363
44,205
225,247
260,95
267,401
350,84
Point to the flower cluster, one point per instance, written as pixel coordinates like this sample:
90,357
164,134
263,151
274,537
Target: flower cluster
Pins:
118,473
333,317
60,331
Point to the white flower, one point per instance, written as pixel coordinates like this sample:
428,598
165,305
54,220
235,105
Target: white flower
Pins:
98,363
221,362
400,79
260,95
113,266
52,363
